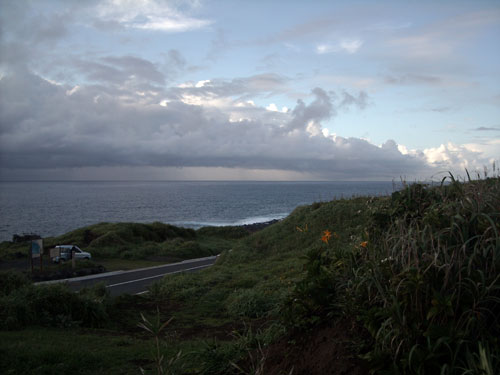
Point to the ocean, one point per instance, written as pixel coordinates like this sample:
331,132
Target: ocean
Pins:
54,207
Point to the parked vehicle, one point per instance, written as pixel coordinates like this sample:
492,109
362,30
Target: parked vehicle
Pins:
65,252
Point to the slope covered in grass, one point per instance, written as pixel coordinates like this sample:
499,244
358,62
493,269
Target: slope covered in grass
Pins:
138,241
406,284
414,276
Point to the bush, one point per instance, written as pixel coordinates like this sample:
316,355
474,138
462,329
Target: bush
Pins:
430,289
251,303
52,305
422,278
228,232
12,280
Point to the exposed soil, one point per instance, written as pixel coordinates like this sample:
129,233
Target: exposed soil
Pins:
327,350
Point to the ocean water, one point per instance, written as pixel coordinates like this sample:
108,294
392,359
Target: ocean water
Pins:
54,208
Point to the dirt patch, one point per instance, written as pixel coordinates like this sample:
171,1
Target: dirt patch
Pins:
327,350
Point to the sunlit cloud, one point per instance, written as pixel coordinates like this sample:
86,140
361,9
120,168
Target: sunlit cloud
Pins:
345,45
149,15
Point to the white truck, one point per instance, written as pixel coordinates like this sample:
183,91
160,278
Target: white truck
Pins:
62,253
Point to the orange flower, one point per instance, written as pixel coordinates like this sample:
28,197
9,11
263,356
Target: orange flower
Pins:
364,244
326,236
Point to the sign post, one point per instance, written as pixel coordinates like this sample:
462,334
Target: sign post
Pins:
36,251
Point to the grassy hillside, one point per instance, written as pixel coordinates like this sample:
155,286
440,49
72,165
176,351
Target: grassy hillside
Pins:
403,284
138,241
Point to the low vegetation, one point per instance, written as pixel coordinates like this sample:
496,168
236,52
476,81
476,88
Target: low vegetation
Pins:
406,284
136,242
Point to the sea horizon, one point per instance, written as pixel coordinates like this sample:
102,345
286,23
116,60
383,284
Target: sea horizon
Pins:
51,208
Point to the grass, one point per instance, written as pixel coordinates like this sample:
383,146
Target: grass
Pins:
417,273
134,241
63,351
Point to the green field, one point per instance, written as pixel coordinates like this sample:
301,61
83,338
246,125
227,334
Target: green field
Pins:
406,284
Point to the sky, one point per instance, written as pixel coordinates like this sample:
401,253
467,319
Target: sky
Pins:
248,90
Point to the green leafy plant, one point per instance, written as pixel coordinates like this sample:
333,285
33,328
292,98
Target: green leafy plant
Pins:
155,328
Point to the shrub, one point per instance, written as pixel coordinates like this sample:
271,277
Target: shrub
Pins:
423,279
228,232
52,305
430,287
12,280
250,303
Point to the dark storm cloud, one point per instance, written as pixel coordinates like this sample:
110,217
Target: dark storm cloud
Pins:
44,126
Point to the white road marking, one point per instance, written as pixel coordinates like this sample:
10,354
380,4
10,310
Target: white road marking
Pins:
152,277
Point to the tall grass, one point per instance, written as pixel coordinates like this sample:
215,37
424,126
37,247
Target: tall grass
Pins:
422,276
430,290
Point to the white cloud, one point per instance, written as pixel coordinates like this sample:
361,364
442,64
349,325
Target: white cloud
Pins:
148,15
202,83
273,108
323,48
456,158
350,46
73,90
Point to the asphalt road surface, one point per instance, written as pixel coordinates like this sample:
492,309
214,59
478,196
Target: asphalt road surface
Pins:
135,281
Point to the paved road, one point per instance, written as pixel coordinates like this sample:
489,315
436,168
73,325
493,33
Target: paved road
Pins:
136,281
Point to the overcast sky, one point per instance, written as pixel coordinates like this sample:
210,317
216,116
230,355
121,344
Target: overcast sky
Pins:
272,90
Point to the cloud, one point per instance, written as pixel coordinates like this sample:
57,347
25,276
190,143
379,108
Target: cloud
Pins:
450,157
460,157
49,127
147,15
409,79
119,70
274,108
26,35
439,41
244,88
486,129
350,46
441,109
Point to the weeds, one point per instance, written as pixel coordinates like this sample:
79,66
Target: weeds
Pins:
53,306
423,278
433,286
156,328
419,271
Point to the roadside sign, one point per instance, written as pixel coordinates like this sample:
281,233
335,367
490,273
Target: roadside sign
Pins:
36,251
36,248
